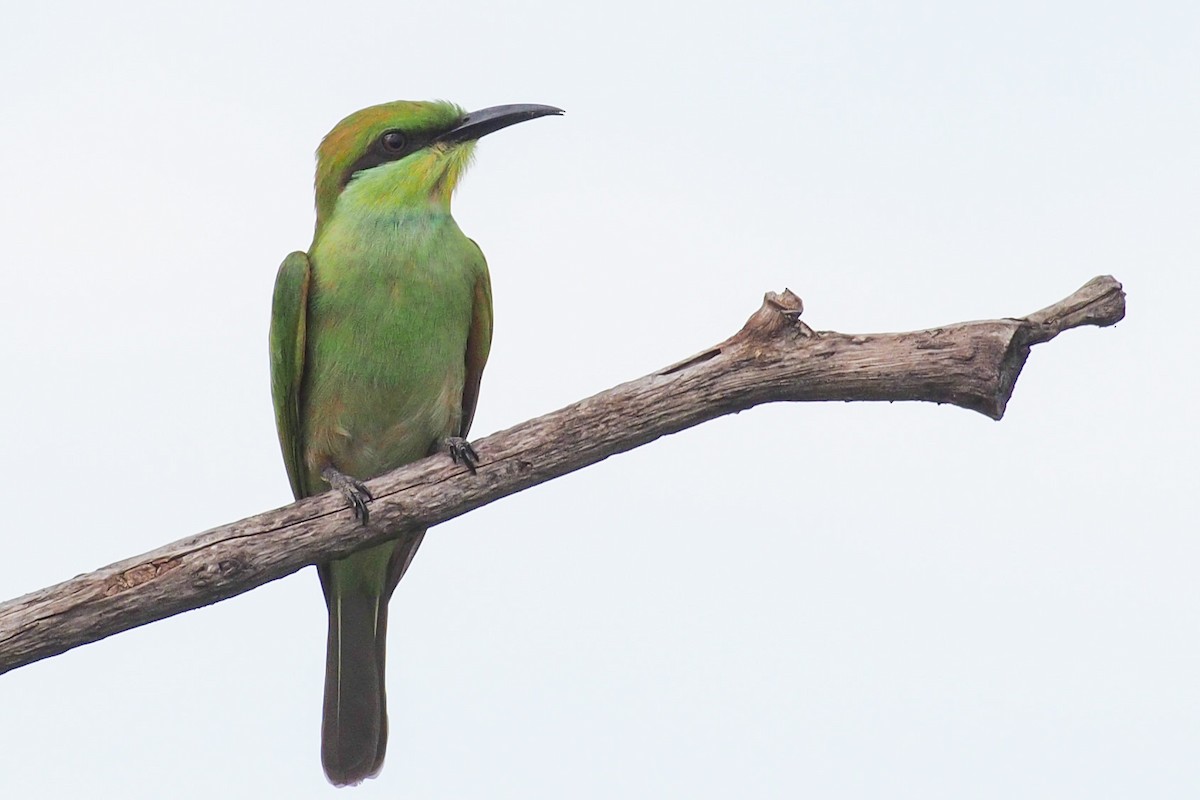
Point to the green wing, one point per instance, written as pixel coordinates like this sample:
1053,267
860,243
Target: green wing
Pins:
289,313
479,343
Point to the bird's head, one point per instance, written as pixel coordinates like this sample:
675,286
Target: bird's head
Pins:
406,153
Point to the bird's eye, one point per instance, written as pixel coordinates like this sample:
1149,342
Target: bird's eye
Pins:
393,141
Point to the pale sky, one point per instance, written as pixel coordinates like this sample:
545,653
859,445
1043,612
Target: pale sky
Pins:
831,601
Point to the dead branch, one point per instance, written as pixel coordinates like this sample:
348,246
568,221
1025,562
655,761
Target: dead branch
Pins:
773,357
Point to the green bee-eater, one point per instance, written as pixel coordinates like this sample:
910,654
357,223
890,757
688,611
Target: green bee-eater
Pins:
379,334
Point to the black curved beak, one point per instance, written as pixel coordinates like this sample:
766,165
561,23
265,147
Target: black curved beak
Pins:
480,123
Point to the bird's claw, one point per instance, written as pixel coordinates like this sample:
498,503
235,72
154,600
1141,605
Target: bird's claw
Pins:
354,490
461,452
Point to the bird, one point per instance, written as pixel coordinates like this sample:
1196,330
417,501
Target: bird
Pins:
378,338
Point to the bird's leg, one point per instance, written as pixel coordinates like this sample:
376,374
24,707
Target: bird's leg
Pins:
461,452
352,489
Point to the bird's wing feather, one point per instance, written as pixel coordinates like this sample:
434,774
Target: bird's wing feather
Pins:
289,313
479,343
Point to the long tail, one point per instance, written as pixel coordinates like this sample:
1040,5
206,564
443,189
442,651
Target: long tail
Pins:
354,724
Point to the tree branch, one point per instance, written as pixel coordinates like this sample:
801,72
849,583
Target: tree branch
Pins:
773,357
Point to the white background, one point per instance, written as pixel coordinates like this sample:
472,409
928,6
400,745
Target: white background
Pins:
838,601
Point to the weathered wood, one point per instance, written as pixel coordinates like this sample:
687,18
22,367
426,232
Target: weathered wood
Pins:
773,357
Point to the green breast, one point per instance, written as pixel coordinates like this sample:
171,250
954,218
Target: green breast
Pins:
388,319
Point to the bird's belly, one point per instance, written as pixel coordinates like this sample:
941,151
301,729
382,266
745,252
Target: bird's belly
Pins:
384,382
389,314
380,427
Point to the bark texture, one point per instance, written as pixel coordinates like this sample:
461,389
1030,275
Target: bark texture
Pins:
774,357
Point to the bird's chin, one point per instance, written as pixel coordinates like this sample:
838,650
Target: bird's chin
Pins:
454,159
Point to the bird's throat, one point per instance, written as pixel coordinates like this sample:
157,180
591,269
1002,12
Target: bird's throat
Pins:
425,180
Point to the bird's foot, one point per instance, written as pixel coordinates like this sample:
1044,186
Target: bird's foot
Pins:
355,492
461,452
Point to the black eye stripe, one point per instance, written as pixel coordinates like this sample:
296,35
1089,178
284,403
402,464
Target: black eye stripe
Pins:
389,146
